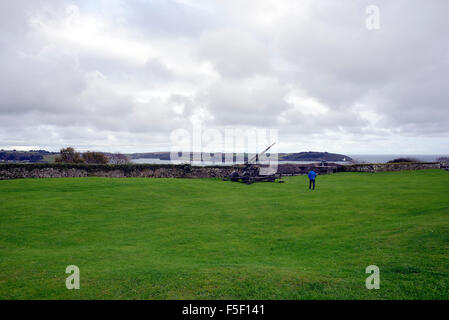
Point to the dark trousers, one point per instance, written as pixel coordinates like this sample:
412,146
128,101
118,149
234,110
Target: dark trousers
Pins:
312,182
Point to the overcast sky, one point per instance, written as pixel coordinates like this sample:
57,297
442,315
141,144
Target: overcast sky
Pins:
117,75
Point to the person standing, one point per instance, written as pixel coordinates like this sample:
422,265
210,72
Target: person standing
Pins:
312,175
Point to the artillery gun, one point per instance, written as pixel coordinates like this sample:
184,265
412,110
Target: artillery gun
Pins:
251,172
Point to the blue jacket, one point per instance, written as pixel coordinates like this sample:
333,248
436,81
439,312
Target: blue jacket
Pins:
312,175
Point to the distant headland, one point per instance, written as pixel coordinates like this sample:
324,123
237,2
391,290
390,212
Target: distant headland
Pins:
46,156
313,156
298,156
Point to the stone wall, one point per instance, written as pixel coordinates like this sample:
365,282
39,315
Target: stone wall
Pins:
293,169
382,167
19,171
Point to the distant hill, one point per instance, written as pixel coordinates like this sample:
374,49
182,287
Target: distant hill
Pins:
24,156
46,156
163,155
313,156
300,156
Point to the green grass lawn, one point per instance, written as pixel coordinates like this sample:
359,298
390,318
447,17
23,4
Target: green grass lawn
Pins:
210,239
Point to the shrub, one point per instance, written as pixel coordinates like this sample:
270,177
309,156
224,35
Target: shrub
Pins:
69,155
95,157
403,160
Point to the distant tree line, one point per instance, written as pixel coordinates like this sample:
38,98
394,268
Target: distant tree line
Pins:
444,160
16,156
397,160
70,155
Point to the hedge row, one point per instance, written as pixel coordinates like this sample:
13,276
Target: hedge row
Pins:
387,163
100,167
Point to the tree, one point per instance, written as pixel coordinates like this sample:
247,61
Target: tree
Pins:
69,155
95,157
118,158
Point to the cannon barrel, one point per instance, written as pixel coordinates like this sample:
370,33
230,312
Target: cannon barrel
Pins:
258,155
251,172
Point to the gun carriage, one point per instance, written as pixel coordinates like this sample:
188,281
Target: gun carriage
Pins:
252,171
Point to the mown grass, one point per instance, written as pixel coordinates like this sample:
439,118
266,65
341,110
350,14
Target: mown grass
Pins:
210,239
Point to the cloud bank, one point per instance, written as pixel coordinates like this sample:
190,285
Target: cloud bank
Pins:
122,75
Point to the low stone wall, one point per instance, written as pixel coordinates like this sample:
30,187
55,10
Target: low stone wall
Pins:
293,169
20,171
382,167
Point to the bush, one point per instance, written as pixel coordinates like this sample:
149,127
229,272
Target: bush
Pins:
95,157
403,160
69,155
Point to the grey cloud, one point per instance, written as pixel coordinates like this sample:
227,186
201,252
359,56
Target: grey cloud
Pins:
163,18
256,101
235,54
152,72
402,67
382,84
46,82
